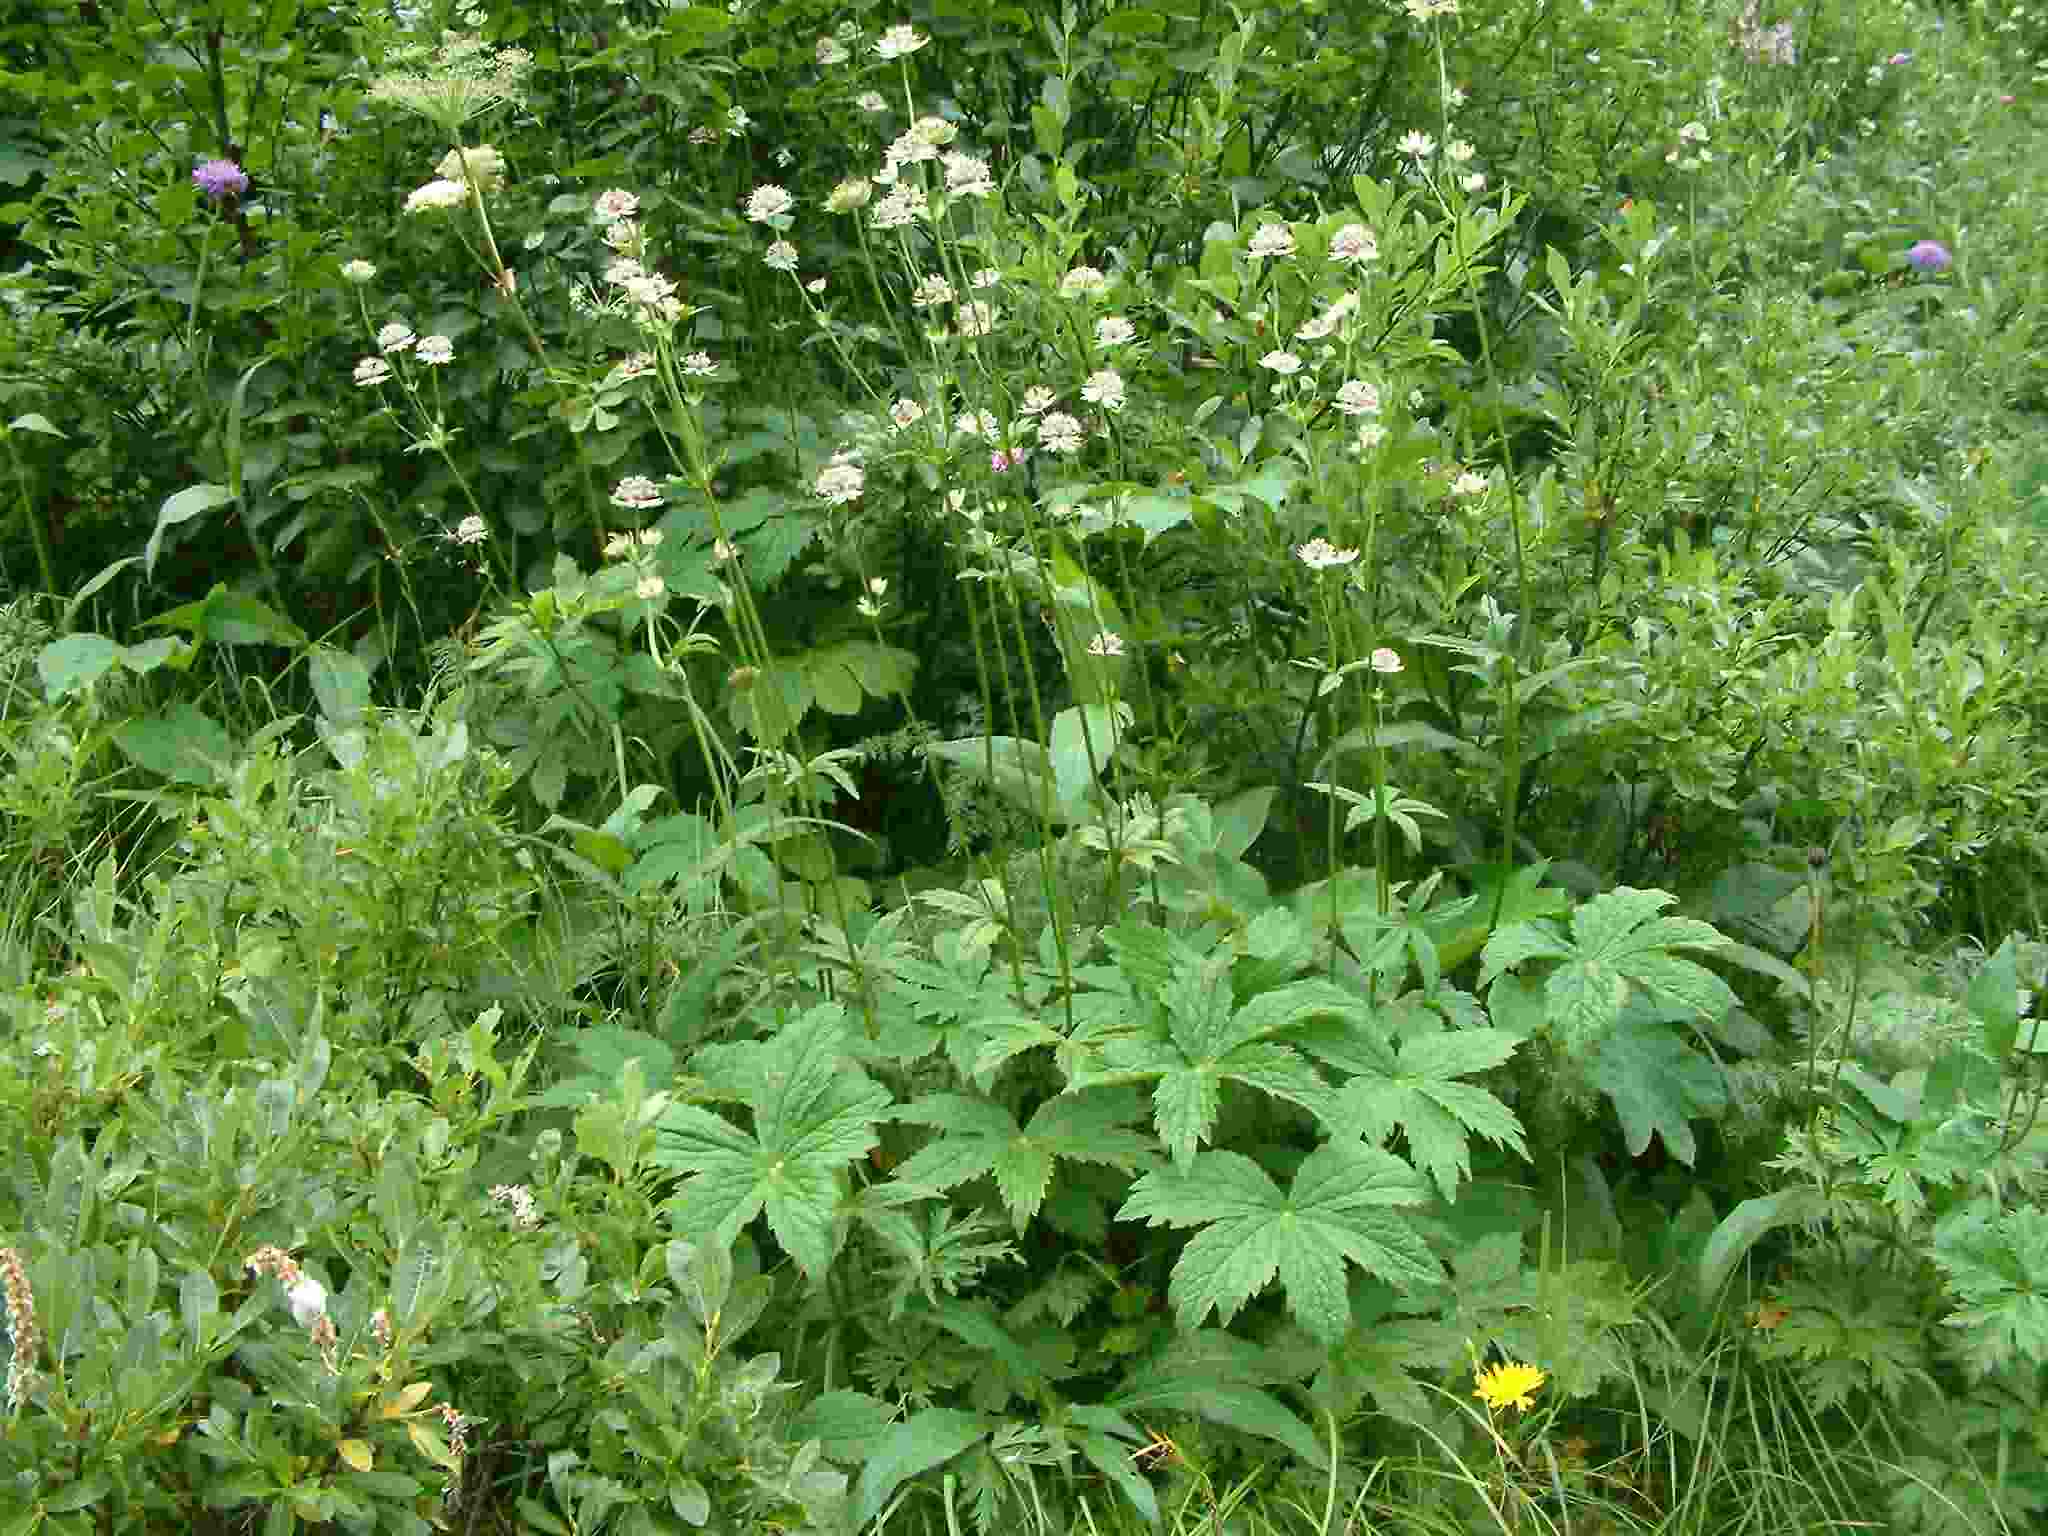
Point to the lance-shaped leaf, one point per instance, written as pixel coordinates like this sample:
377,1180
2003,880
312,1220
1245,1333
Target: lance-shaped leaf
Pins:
1617,941
814,1112
1418,1092
982,1138
1339,1211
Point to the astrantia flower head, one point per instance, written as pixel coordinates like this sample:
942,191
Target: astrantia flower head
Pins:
616,204
699,365
780,257
1322,555
1104,388
850,194
977,318
357,271
1036,399
967,176
471,530
1511,1385
1282,363
1357,398
768,201
1354,242
1417,143
933,290
871,101
220,179
1930,256
395,337
372,370
439,194
840,483
899,42
1113,331
308,1300
831,51
1083,282
1106,643
906,413
636,493
435,350
984,277
1059,432
1470,483
1386,660
1272,240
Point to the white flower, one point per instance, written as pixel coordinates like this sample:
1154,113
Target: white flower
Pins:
1037,398
1693,133
632,367
977,318
648,588
768,201
781,257
636,493
736,122
1104,388
982,424
1083,282
815,285
357,271
1459,151
623,271
1272,240
308,1301
1386,660
1106,643
984,277
1370,436
899,42
831,51
435,195
615,205
471,530
1282,363
868,608
906,413
1059,432
699,365
968,177
372,370
871,101
911,148
1113,331
1470,483
1327,322
622,235
933,290
1476,182
519,1200
481,167
1354,242
840,483
618,546
435,350
703,135
900,206
395,337
1322,555
1415,142
649,537
1357,398
649,288
850,194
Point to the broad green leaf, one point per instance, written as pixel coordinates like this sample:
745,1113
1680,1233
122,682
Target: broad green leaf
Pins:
1741,1228
981,1138
814,1111
1994,1000
182,507
1336,1212
921,1442
1420,1096
75,662
341,682
1658,1083
185,745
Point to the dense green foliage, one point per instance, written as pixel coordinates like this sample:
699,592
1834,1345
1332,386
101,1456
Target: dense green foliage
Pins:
808,768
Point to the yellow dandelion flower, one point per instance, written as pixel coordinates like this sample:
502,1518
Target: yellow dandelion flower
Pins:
1508,1386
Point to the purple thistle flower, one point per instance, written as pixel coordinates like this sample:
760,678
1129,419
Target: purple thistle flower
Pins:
1930,256
221,179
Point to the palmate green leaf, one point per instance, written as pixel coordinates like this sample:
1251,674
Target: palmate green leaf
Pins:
1995,1263
1338,1210
814,1112
982,1138
1419,1094
1658,1083
1618,943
